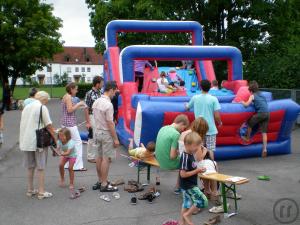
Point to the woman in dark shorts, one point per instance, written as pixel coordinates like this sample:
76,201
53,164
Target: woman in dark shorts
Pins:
261,117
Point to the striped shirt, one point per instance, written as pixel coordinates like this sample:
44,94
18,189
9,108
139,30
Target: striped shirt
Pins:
139,65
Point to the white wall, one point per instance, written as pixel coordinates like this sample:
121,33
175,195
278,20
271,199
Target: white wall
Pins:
71,69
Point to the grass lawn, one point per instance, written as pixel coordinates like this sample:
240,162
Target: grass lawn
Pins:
22,92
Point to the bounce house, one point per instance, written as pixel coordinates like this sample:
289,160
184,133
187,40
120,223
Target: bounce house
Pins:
141,115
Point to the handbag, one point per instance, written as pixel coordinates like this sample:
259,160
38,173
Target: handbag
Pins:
43,136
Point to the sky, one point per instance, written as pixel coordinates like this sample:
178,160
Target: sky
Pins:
76,26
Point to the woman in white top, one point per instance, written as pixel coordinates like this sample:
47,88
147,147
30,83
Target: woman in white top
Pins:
203,156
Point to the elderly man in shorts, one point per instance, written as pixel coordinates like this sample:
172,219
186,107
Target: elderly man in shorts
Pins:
106,137
34,157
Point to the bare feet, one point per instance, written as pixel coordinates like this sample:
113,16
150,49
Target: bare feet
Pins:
62,184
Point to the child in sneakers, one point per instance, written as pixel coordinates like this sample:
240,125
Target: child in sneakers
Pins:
66,149
141,152
193,198
261,117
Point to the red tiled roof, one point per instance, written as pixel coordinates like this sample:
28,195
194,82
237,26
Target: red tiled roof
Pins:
78,55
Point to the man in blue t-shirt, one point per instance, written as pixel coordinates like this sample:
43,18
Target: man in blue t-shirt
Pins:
207,107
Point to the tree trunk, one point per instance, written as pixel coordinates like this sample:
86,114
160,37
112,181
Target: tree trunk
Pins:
13,84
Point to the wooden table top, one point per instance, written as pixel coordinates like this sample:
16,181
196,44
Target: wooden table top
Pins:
151,160
222,178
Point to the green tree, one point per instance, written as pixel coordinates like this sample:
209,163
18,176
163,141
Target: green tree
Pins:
61,80
276,60
28,37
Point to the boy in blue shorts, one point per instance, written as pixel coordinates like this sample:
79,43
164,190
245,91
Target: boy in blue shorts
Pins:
193,198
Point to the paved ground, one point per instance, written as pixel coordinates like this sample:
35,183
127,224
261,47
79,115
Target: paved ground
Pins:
256,207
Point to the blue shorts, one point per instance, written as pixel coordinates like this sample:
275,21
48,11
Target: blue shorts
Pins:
195,197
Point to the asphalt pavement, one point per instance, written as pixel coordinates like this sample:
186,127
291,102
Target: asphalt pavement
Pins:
263,202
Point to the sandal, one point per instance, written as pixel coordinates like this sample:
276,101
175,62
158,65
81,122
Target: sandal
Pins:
31,193
74,194
105,198
264,154
82,169
108,188
132,182
82,189
46,194
213,220
116,195
118,182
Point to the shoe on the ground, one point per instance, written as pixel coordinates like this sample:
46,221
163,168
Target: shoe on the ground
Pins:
133,200
177,191
218,209
213,220
150,197
117,182
132,182
96,186
108,188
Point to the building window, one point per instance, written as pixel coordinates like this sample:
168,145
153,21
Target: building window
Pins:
67,58
76,69
69,79
49,68
69,69
48,80
88,69
89,80
83,69
33,79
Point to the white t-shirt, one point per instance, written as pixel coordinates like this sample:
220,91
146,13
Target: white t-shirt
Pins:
29,124
208,164
162,85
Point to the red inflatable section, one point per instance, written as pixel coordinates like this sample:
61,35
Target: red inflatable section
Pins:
170,116
150,77
234,85
228,133
209,70
114,53
127,90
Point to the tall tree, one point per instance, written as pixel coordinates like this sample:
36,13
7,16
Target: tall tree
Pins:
28,37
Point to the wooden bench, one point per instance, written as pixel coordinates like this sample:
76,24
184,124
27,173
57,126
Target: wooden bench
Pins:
148,162
228,183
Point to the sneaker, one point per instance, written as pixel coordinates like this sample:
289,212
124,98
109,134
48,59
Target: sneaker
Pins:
177,191
96,186
218,209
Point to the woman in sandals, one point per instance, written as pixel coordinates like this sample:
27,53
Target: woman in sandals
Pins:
35,158
69,121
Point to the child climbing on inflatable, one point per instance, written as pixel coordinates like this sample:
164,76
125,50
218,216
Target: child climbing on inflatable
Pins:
261,117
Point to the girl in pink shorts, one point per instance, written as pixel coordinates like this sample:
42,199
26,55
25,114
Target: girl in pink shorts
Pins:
66,150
